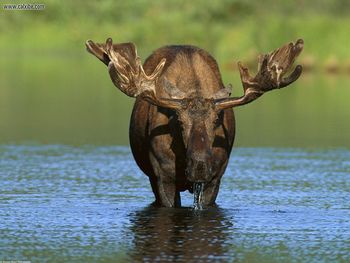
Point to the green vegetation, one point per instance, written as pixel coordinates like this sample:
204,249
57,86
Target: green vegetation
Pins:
230,29
53,91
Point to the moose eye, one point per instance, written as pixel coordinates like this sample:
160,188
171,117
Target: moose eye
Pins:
219,119
217,122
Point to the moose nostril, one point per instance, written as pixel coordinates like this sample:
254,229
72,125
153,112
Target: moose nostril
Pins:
200,166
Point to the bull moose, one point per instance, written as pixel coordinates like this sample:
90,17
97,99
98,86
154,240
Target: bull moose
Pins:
182,126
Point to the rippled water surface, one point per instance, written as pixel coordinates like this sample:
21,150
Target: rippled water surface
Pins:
62,203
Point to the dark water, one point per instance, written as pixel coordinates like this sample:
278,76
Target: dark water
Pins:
91,204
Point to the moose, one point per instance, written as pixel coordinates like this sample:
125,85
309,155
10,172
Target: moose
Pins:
182,126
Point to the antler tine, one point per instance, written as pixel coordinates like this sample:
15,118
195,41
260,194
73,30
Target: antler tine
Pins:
271,70
131,76
127,72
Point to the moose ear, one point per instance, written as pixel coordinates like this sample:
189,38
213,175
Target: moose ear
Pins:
127,50
172,91
223,93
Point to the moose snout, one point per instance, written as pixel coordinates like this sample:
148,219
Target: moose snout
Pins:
199,154
199,170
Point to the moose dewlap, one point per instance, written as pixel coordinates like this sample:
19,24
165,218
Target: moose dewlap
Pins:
182,126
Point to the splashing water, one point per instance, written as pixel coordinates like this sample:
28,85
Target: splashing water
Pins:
198,196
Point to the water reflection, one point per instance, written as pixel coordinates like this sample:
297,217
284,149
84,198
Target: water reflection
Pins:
168,234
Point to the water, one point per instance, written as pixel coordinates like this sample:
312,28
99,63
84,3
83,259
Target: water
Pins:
62,203
198,195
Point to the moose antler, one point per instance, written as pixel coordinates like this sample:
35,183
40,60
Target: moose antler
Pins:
271,71
126,71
